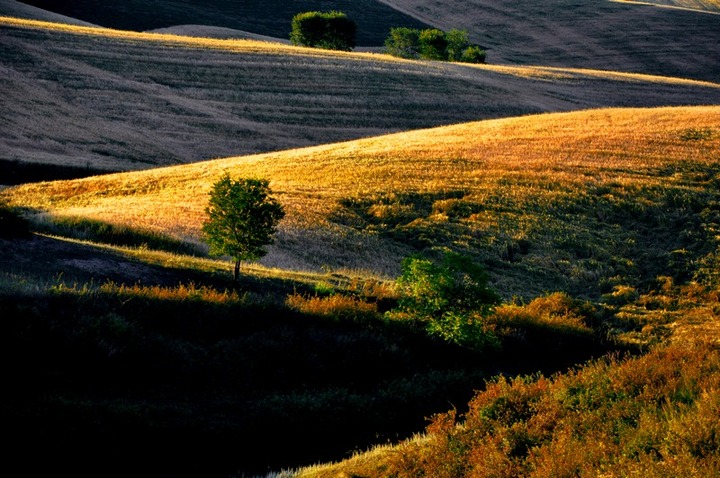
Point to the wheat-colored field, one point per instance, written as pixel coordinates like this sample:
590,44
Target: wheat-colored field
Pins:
116,100
519,178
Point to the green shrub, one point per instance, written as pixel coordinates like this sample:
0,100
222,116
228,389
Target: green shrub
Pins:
457,43
473,54
451,295
433,44
403,42
330,31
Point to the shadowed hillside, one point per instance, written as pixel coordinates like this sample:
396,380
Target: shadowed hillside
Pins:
91,100
643,37
374,19
608,35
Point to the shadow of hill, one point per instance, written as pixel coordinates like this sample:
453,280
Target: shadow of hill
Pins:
374,19
46,260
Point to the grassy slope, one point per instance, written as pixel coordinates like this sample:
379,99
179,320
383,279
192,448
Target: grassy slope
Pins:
563,201
604,201
630,37
576,201
91,99
589,33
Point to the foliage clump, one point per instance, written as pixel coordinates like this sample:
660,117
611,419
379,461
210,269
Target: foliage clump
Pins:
242,218
433,44
328,30
451,295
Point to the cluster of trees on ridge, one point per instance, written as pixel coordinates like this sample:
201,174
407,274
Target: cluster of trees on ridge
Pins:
335,31
433,44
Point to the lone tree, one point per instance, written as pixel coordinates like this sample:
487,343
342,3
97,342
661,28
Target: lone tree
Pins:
331,30
242,218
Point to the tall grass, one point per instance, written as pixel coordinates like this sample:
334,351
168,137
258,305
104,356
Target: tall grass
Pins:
655,415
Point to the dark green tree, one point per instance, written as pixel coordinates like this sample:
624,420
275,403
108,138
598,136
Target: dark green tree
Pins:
433,44
242,218
457,42
327,30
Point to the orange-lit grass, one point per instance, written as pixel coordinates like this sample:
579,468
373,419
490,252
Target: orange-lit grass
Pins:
537,157
556,311
335,306
655,416
181,292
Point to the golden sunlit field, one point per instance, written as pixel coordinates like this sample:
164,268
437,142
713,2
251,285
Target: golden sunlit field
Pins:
700,5
579,169
85,100
481,186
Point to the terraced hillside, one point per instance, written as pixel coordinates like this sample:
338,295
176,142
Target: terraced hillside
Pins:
641,37
623,36
81,100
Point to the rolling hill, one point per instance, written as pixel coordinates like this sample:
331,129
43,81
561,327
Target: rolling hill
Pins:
607,35
617,208
575,201
374,19
78,100
638,37
581,169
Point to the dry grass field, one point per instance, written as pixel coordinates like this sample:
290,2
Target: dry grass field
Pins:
107,100
562,183
580,168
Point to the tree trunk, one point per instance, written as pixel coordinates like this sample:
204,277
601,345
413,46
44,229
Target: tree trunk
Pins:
237,271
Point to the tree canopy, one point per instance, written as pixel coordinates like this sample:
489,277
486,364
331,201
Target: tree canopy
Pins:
242,218
433,44
328,30
451,295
